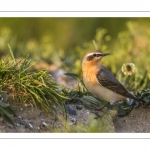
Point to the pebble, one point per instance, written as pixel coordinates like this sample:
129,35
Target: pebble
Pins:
27,105
78,107
26,124
87,112
72,119
18,125
41,115
44,124
22,122
19,117
71,111
30,125
132,102
2,99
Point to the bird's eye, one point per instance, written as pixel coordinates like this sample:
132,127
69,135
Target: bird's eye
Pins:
94,55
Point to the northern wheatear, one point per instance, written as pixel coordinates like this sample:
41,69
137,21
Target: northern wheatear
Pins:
100,81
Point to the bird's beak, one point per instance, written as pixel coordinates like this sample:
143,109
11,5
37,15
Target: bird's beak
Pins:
105,54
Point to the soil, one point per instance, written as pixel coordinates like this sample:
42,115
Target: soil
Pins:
138,121
33,120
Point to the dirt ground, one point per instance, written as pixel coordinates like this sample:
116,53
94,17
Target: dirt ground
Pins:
32,120
138,121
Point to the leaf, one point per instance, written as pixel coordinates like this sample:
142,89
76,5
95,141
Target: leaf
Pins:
5,112
2,104
6,118
12,55
72,75
144,79
11,111
91,99
145,94
123,109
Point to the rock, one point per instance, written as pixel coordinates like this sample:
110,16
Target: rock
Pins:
41,115
19,117
72,119
25,124
30,125
18,125
27,105
71,111
44,124
78,107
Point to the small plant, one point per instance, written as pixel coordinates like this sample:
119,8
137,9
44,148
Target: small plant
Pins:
132,78
36,88
103,124
145,95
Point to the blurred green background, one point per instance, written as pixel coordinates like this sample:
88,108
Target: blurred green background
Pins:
64,41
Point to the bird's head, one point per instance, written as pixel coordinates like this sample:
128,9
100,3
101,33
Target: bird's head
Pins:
93,57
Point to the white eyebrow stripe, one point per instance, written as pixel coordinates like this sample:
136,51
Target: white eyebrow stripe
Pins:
90,54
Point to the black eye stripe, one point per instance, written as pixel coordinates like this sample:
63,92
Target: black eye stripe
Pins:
97,55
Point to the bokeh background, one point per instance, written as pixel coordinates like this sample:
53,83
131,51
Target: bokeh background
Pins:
64,41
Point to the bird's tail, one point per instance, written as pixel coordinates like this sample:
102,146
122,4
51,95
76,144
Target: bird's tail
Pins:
139,99
132,96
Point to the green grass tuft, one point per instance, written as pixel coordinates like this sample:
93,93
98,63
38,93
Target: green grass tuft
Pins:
36,88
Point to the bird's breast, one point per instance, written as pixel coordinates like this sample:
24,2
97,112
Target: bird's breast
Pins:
89,77
92,84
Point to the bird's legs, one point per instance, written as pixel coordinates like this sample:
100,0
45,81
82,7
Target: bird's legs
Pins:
96,111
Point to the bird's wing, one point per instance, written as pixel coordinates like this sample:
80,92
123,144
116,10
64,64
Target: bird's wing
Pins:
108,80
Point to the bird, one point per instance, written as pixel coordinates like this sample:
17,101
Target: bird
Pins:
101,82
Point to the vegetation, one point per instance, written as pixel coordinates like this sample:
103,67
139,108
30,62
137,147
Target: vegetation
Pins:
129,61
35,88
101,125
